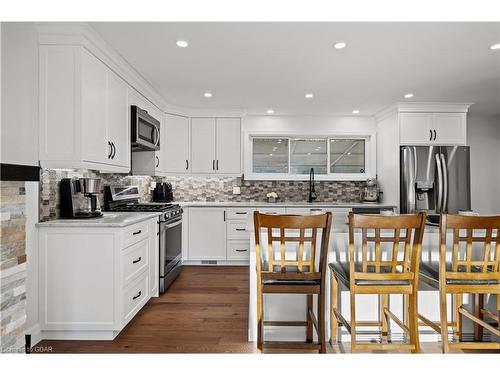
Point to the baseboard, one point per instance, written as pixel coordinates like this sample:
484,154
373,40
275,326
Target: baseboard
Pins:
35,333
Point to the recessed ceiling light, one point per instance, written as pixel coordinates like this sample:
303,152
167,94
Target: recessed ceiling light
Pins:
270,111
355,111
495,46
182,43
339,45
409,95
309,95
207,95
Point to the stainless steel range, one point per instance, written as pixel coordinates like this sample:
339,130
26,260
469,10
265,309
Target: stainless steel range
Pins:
126,199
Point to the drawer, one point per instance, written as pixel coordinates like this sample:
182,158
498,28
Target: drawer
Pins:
135,296
306,210
135,233
135,260
239,213
237,229
271,210
238,250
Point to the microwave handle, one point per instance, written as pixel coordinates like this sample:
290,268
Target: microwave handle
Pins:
157,136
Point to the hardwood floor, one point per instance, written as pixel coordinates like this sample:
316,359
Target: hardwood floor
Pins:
204,311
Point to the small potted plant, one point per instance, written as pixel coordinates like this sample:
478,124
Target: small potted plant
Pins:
271,197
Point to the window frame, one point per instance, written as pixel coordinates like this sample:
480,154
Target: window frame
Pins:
370,156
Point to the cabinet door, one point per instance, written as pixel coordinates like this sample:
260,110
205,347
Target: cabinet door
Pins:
118,121
207,234
450,128
415,128
228,145
176,144
94,127
203,145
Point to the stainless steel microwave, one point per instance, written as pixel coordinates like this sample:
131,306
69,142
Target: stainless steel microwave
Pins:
145,131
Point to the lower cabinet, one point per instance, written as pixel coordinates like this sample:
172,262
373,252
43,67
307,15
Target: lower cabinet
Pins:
93,280
207,234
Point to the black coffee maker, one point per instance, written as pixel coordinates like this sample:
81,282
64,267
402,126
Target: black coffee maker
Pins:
163,192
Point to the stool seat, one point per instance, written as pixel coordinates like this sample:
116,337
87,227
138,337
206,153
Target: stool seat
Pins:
342,272
430,270
291,282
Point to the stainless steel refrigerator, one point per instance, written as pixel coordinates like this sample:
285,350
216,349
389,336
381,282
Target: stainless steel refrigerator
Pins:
434,179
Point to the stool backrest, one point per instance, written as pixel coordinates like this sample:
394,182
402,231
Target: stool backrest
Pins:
303,262
399,264
465,257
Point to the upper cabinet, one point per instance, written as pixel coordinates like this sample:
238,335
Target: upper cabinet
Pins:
426,128
216,146
83,112
177,144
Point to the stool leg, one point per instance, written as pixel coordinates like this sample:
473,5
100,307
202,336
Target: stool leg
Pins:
383,302
444,320
457,303
308,317
353,321
321,320
260,323
498,314
334,323
413,320
478,305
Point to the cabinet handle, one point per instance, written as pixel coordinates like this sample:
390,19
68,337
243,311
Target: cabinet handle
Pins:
187,165
137,260
240,229
213,165
316,209
217,165
434,134
110,150
241,250
137,296
157,161
135,233
114,150
241,213
224,215
430,132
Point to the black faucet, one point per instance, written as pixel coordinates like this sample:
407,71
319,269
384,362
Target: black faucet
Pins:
312,191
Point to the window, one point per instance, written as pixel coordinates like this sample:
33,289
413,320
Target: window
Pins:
347,156
270,155
306,154
286,157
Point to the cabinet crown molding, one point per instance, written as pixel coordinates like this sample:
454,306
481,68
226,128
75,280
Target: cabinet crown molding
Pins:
422,107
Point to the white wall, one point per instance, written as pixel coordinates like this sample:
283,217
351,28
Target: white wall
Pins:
483,135
19,69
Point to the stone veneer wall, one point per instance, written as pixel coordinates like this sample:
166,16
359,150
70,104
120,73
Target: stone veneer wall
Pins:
210,189
12,267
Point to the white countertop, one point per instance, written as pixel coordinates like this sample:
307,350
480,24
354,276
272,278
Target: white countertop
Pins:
109,219
283,204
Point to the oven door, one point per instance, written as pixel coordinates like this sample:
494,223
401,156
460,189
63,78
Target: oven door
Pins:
170,245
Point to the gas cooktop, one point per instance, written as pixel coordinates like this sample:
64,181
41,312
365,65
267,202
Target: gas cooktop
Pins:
143,207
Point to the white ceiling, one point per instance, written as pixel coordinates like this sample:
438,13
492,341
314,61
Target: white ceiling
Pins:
256,66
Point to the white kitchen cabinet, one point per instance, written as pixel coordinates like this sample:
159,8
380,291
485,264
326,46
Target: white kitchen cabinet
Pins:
93,280
82,111
207,234
422,128
176,144
149,163
216,146
228,144
203,138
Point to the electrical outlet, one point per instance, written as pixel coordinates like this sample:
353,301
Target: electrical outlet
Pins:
236,190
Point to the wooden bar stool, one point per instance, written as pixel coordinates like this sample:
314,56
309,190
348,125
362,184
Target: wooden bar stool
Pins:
278,274
373,271
466,269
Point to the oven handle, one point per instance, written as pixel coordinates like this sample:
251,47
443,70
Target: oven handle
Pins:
171,225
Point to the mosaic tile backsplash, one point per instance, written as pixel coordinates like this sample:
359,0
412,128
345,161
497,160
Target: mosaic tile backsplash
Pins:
210,189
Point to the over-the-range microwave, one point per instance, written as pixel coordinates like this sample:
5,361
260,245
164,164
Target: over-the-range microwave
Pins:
145,130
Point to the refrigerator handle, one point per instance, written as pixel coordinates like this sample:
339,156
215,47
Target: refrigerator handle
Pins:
445,184
410,178
440,184
414,164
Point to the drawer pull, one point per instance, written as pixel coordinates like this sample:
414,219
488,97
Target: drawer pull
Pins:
241,229
137,296
241,250
241,213
316,209
138,232
137,260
